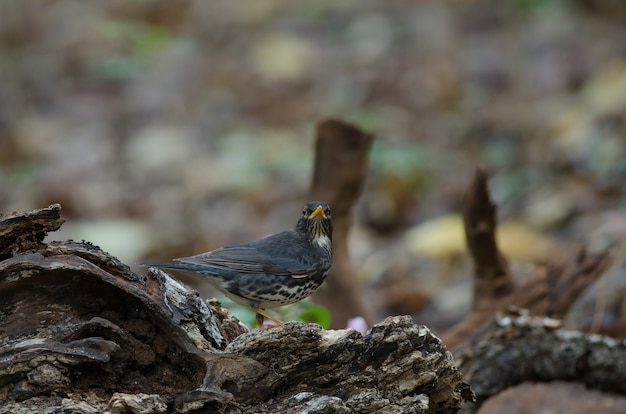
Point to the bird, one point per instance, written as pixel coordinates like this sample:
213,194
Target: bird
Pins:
274,271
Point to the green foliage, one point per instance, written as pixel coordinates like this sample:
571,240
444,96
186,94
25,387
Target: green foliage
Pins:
510,185
136,43
540,6
403,158
301,311
309,313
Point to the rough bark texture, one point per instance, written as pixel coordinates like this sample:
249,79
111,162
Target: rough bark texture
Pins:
81,333
341,154
25,231
518,348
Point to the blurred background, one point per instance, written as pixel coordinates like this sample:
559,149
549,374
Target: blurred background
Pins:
166,129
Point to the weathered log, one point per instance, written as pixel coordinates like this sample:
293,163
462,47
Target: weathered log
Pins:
80,332
517,348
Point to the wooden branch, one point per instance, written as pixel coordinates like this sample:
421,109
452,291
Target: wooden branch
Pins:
493,284
492,279
550,291
341,151
517,348
81,332
553,289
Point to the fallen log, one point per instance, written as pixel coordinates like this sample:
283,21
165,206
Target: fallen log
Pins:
517,348
80,332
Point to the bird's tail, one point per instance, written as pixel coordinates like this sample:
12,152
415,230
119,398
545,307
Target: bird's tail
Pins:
180,266
164,265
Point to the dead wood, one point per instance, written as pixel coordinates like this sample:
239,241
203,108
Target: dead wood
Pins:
341,155
24,231
550,291
80,332
517,348
492,280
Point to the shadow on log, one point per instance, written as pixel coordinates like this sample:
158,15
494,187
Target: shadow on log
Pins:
82,333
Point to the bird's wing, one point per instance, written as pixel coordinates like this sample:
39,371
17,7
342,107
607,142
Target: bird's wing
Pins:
278,256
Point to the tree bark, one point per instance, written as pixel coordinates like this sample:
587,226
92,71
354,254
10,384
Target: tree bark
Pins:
517,348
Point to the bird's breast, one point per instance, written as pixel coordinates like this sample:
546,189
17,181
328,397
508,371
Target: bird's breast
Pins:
322,241
270,291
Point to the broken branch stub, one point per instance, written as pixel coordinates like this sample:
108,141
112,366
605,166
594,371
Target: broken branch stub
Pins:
549,291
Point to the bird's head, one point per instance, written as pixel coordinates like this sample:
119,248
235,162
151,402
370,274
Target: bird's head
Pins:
315,222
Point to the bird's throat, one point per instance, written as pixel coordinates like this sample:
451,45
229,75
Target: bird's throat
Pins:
322,241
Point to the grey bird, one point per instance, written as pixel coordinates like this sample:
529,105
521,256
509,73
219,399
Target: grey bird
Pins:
274,271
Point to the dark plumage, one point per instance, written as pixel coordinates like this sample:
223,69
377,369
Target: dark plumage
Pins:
277,270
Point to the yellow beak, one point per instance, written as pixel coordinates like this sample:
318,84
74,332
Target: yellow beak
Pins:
319,211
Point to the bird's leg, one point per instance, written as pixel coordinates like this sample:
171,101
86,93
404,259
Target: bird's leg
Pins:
260,313
259,320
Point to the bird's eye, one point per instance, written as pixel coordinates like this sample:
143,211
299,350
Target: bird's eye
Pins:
304,212
328,211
